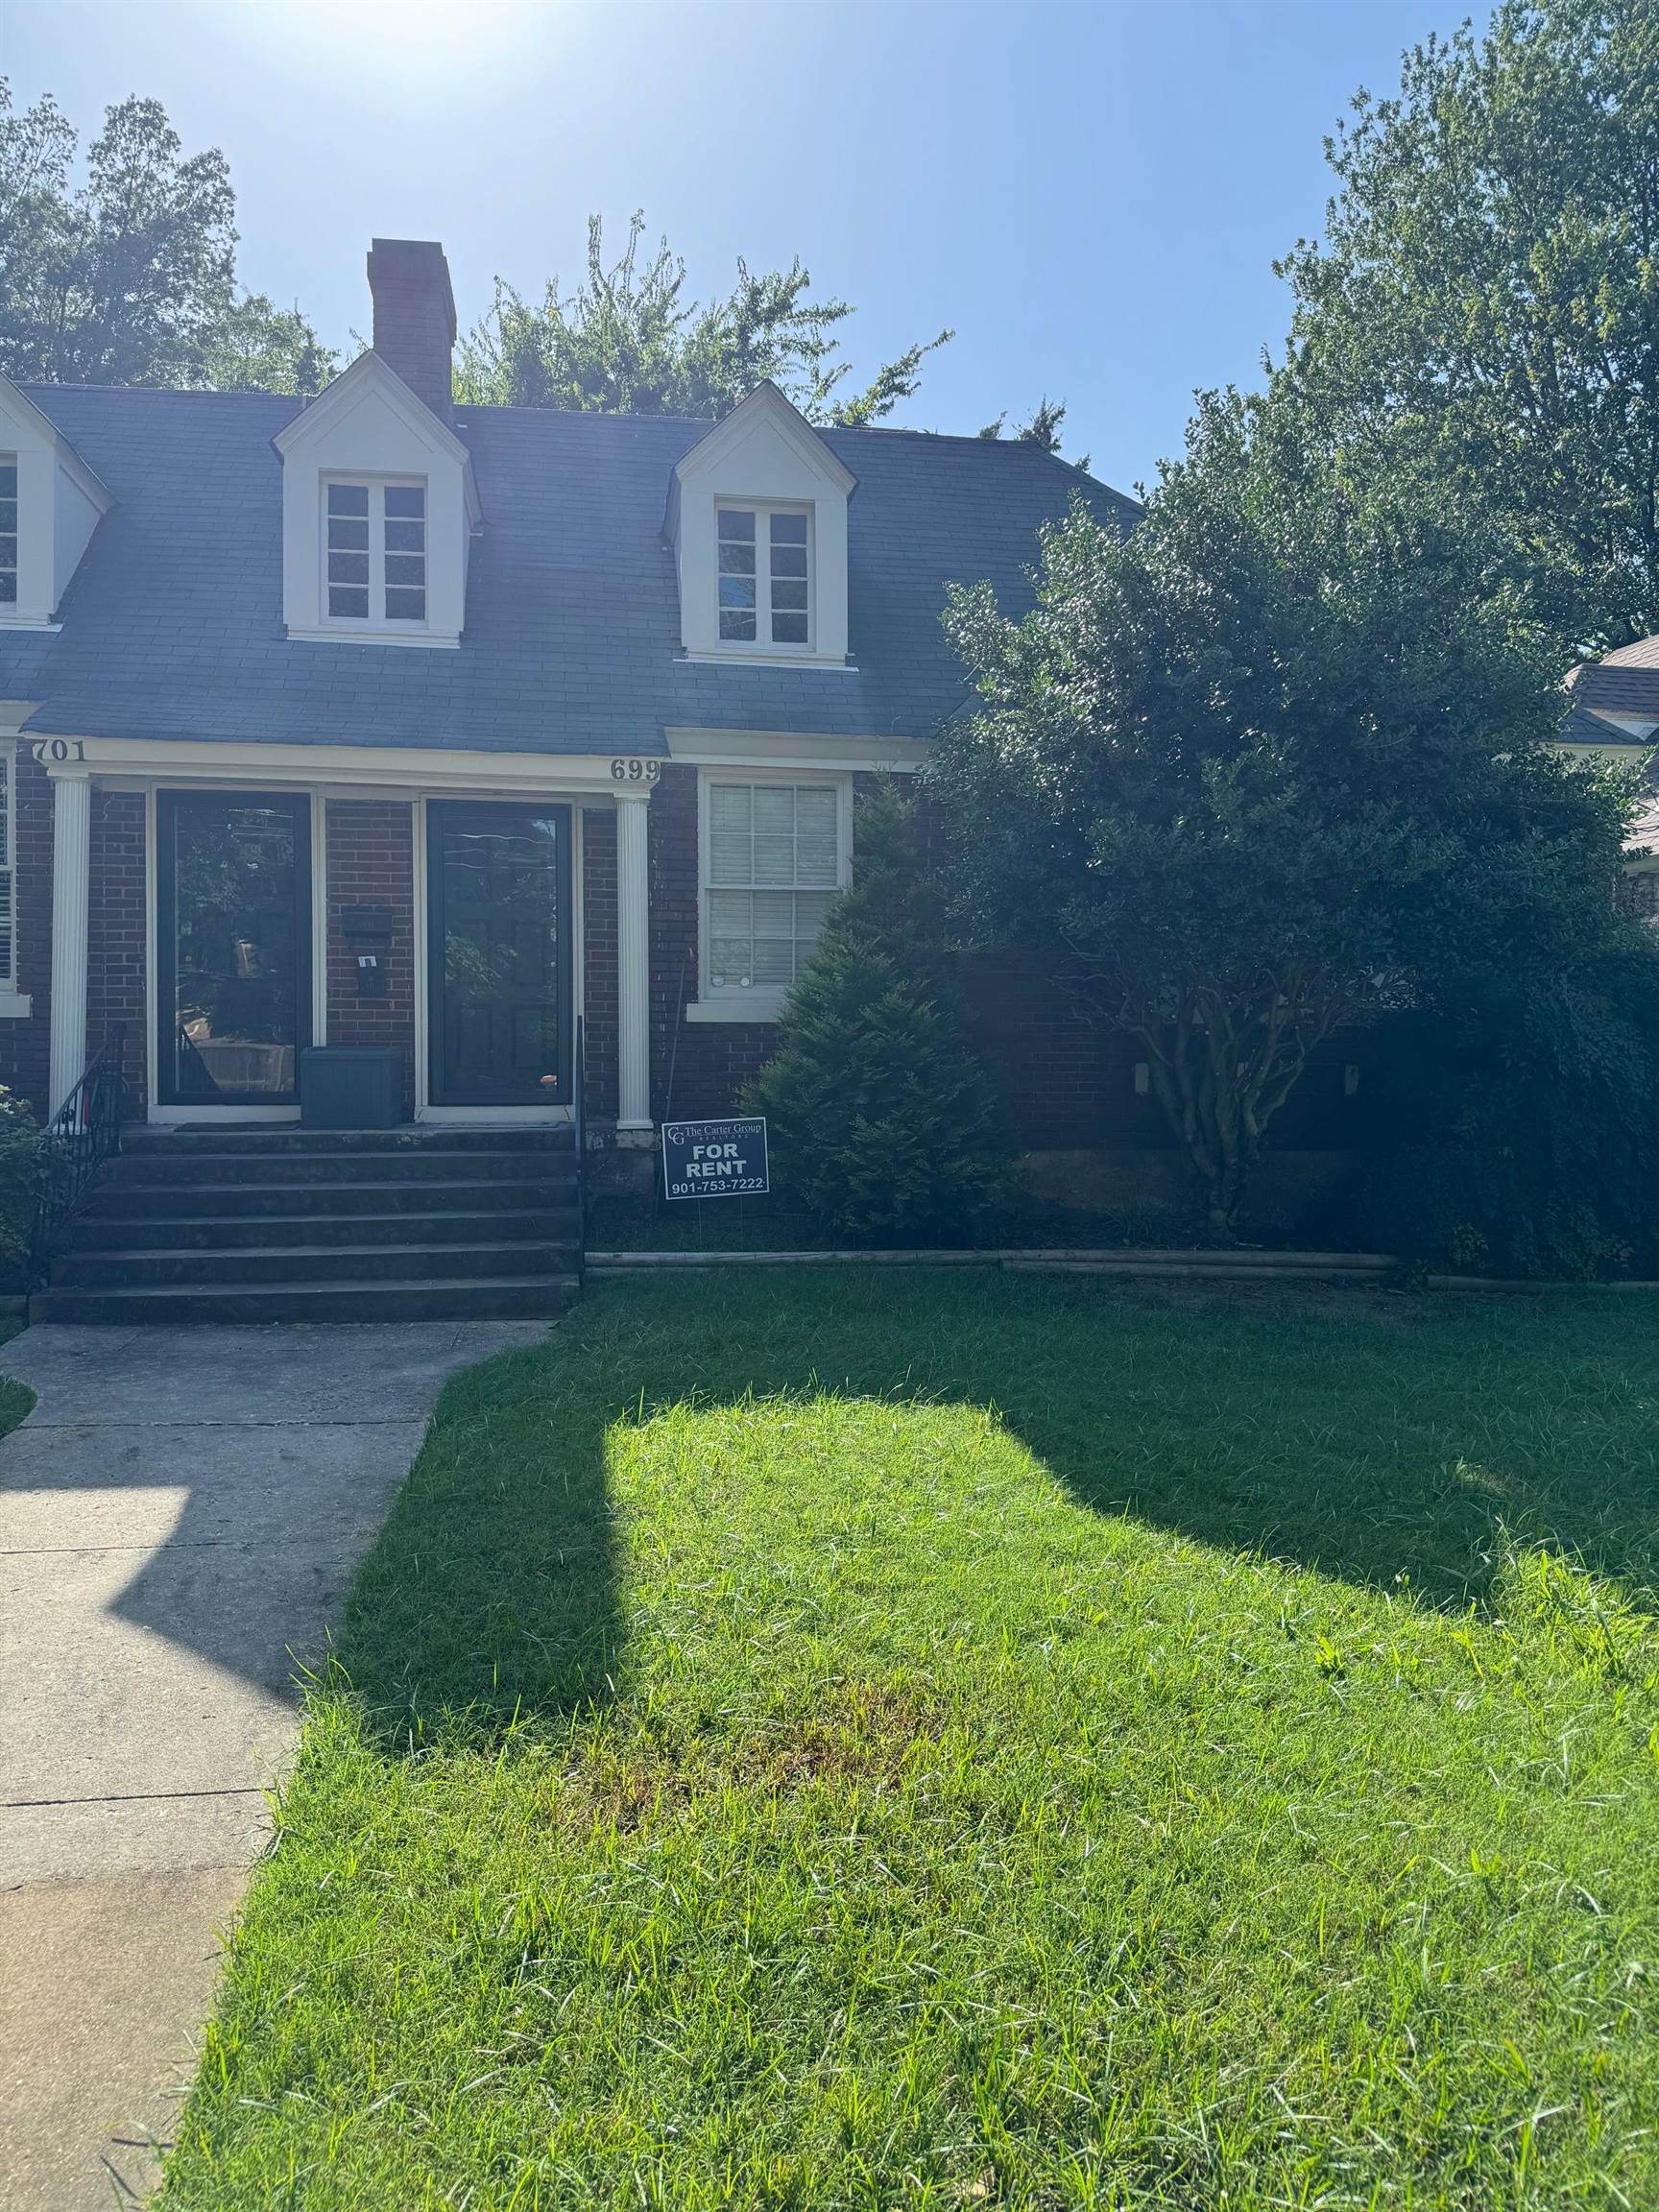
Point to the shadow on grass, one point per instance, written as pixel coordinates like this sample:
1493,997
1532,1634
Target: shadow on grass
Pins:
1395,1443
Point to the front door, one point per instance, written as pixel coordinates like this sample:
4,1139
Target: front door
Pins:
233,939
499,965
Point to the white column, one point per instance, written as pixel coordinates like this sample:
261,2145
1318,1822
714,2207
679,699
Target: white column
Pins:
71,893
633,966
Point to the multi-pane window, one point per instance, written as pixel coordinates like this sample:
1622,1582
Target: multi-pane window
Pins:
376,552
764,578
7,875
8,529
773,865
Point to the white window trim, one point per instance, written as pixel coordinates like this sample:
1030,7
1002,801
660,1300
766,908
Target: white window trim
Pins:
758,1002
764,648
14,1004
370,625
14,568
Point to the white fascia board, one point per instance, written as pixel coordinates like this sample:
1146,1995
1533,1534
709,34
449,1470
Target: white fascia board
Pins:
372,770
369,368
18,408
783,749
368,422
786,418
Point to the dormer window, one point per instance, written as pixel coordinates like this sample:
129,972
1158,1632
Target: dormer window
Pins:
379,511
8,529
764,575
50,504
756,516
375,544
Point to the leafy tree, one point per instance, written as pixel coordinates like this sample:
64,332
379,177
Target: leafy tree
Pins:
1043,429
260,347
128,277
881,1120
1517,1127
628,341
1270,767
19,1186
1482,316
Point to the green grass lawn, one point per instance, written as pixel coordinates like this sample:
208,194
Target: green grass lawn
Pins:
16,1399
856,1739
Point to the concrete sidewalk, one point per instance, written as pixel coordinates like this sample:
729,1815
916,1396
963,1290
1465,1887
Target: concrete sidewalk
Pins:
180,1518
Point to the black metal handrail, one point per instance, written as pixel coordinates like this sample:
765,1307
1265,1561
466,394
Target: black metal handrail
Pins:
83,1133
579,1136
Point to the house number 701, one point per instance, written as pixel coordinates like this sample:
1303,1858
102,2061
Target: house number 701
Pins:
57,750
634,771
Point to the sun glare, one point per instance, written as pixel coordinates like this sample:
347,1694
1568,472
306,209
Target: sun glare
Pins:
398,47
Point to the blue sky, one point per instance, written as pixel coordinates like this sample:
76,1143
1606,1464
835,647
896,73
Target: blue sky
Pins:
1092,196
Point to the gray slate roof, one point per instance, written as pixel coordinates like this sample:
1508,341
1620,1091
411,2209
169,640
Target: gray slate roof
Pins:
172,627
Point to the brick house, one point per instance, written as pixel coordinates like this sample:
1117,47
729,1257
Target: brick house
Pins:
383,608
450,735
372,722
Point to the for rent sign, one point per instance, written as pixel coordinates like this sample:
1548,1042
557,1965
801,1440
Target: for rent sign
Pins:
713,1159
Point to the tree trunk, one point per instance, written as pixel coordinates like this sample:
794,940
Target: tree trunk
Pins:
1218,1093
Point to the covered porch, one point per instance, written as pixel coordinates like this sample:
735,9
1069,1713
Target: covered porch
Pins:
236,905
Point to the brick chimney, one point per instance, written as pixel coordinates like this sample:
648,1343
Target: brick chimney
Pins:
415,316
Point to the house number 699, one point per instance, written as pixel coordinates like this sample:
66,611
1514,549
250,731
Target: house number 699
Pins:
634,771
57,750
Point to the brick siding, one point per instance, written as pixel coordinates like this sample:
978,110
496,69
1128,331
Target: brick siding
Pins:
116,929
1069,1084
25,1045
370,846
596,827
1059,1075
696,1067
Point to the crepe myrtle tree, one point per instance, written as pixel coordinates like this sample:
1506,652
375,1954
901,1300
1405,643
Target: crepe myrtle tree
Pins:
1272,765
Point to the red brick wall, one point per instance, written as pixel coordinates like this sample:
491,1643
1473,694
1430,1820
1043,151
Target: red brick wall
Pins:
115,933
24,1045
1069,1085
696,1067
596,827
369,845
115,953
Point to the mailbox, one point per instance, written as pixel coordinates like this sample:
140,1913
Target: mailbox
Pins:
367,934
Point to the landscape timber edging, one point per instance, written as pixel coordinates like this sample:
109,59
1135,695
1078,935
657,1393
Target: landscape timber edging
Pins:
1150,1264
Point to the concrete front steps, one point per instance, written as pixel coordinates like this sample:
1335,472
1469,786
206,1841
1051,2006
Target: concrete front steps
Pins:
247,1225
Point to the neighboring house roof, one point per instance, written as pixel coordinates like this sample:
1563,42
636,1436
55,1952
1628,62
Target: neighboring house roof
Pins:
1582,727
1624,682
172,627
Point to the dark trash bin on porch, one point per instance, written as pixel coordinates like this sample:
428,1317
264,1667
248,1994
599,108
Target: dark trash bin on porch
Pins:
351,1086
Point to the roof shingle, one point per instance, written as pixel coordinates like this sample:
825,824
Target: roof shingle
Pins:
172,627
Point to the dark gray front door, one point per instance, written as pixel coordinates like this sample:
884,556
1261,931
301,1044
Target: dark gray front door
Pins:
499,919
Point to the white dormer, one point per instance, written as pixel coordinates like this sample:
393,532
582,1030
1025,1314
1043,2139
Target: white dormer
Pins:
50,504
758,520
379,511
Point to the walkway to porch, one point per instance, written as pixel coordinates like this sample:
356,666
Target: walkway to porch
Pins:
179,1518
